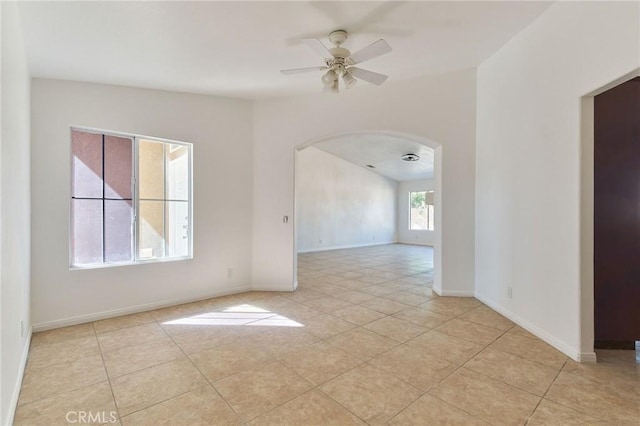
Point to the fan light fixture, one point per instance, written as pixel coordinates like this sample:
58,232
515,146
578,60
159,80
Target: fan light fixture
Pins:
339,62
410,157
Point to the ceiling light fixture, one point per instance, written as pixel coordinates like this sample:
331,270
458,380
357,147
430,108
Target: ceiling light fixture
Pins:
410,157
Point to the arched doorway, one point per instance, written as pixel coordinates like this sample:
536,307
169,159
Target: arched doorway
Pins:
384,148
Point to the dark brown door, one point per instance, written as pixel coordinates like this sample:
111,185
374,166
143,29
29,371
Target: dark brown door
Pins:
617,214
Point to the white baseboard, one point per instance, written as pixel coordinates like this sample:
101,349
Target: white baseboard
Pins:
454,293
275,288
81,319
536,331
588,357
13,404
348,246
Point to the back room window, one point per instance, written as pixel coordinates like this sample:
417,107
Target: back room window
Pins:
421,211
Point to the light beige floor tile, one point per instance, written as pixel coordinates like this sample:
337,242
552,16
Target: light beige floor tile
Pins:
354,285
227,360
319,362
470,331
413,366
362,344
325,325
385,306
396,329
445,347
521,332
532,349
297,311
358,314
408,298
199,407
193,338
40,383
128,359
549,413
379,290
423,290
177,312
64,407
354,296
371,279
303,294
116,323
450,306
431,411
254,392
130,336
48,354
310,408
60,335
621,379
590,398
486,316
370,393
486,398
421,317
150,386
519,372
327,304
281,340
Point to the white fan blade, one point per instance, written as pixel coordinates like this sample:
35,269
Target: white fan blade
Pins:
368,76
373,50
318,47
301,70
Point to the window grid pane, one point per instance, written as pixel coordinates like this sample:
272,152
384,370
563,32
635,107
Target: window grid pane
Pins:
105,226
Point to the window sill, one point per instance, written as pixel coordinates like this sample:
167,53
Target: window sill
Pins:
137,262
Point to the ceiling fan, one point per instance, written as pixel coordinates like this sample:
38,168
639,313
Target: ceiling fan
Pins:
339,62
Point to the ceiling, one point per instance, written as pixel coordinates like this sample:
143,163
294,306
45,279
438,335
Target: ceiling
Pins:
237,48
384,153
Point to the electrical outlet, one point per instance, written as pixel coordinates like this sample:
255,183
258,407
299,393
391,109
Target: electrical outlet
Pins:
374,238
319,241
230,273
510,292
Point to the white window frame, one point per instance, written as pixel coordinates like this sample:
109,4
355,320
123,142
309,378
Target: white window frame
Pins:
135,198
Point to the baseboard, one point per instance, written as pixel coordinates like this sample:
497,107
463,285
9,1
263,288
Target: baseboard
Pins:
588,357
13,404
81,319
454,293
536,331
329,248
275,288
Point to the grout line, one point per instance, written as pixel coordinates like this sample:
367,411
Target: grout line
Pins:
106,372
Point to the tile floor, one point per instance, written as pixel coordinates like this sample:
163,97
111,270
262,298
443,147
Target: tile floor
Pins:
363,340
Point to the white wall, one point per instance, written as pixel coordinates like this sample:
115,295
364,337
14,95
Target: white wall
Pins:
440,108
220,130
15,210
406,235
528,162
340,204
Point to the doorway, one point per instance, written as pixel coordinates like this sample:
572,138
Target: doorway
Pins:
349,194
616,221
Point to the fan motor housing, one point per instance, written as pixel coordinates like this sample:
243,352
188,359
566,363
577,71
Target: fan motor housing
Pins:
338,37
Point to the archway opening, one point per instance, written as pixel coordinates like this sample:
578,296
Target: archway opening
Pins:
367,221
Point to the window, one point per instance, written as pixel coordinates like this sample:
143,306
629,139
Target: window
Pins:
421,211
130,199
